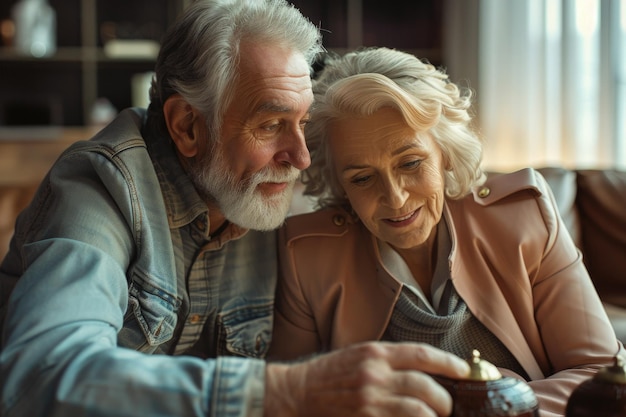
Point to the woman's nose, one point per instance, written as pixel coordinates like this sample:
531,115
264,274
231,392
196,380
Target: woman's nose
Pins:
394,193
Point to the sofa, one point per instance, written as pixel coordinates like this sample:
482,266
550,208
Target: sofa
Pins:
591,202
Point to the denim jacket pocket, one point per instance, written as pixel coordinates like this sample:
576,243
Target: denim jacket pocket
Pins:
246,331
151,317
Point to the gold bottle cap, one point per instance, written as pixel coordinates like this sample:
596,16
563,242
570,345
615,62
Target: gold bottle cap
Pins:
615,373
481,370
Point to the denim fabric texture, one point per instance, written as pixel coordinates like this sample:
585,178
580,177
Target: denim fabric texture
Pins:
94,299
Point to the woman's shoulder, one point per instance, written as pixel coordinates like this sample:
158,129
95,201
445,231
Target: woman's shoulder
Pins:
521,199
526,182
330,222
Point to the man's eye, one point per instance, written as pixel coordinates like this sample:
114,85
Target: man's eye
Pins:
303,123
270,127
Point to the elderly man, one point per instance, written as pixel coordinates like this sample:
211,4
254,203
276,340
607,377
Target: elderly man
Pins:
140,281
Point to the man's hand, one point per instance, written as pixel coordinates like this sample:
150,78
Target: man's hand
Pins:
373,379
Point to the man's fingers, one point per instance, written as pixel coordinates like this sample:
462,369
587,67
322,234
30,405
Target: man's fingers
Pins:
369,379
391,393
413,356
427,359
429,394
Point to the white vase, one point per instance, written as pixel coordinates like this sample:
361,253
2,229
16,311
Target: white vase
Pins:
35,28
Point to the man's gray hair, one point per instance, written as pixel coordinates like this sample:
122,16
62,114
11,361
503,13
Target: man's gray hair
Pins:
200,53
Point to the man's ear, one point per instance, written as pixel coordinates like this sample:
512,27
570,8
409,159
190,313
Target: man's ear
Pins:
180,118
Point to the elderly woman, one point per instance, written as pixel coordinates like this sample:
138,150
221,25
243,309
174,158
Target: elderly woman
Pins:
413,244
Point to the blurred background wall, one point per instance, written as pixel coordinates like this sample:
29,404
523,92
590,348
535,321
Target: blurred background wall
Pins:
549,75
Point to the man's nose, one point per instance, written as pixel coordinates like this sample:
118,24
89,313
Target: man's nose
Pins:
295,151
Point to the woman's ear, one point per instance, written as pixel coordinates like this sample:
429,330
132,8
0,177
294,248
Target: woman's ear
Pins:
446,162
180,118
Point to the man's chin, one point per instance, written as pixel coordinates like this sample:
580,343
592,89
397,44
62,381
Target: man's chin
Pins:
262,212
274,189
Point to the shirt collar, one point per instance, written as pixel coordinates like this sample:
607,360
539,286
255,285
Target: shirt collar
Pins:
396,265
182,201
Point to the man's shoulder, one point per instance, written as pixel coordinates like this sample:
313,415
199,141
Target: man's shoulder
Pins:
123,132
119,144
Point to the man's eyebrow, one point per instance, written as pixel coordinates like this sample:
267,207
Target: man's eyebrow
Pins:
270,107
273,108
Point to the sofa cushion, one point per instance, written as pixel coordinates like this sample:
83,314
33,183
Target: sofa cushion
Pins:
563,184
601,201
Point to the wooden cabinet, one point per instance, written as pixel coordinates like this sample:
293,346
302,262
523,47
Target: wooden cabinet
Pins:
61,89
412,26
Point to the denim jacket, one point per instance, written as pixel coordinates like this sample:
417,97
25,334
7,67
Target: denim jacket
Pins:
93,293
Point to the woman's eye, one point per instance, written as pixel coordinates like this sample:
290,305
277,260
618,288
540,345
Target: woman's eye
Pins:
412,164
360,180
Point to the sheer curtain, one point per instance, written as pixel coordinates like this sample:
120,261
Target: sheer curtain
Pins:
550,78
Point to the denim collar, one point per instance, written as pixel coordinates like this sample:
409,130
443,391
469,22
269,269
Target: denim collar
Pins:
182,201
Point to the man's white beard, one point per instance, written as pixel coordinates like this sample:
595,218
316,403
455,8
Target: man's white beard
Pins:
241,202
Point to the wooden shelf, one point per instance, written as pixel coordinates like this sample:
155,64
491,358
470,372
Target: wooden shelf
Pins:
71,54
414,27
80,72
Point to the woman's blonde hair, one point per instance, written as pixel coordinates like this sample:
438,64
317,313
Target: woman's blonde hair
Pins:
360,83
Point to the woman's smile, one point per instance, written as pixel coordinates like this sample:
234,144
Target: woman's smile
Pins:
402,221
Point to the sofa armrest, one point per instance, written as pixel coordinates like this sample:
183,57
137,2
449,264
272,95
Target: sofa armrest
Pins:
601,202
563,184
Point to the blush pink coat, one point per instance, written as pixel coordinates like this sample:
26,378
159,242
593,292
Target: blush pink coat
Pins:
512,261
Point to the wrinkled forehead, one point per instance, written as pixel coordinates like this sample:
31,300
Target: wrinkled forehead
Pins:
386,124
265,60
